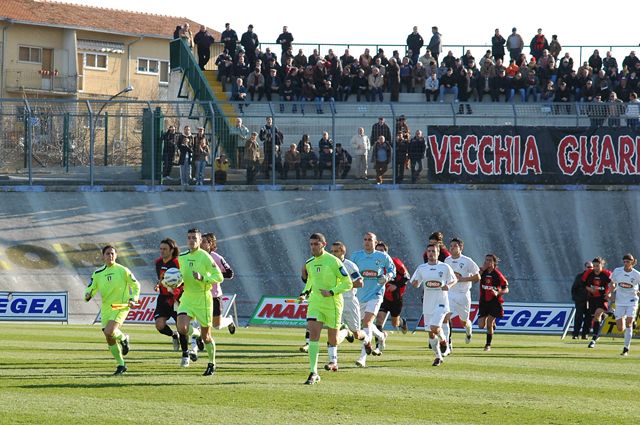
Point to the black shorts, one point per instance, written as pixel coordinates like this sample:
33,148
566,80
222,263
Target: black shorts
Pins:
596,303
217,305
491,308
393,307
164,308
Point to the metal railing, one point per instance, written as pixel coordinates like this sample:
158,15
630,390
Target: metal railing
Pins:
579,53
48,141
42,82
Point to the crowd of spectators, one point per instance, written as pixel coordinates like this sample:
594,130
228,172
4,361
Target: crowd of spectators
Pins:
306,159
510,70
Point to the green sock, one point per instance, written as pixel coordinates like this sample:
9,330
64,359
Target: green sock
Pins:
118,335
314,349
195,332
211,351
117,354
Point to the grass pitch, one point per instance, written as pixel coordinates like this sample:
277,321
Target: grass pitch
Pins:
59,374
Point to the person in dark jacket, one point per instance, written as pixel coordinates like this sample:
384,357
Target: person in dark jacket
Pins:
250,42
266,136
381,156
402,155
435,44
415,43
380,129
582,319
284,40
185,146
500,87
203,40
168,151
343,161
497,45
230,40
417,149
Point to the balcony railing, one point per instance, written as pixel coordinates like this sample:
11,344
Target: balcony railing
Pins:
40,81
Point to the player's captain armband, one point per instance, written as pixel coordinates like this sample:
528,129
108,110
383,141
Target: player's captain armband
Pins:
343,271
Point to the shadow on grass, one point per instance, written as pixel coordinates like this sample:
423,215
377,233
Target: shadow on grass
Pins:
116,384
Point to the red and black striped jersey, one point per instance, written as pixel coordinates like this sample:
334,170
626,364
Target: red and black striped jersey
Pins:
490,280
600,282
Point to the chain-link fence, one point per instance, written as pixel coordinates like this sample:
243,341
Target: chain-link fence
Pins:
98,142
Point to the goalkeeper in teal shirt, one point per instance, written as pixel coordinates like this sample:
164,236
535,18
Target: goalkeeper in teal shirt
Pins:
326,281
119,291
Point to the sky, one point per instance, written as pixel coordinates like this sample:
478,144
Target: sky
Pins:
354,22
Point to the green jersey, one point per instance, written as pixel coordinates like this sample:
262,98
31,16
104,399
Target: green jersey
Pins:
326,272
116,285
198,261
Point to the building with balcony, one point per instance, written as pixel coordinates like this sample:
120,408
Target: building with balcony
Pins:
60,50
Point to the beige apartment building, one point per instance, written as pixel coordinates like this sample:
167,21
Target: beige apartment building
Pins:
60,50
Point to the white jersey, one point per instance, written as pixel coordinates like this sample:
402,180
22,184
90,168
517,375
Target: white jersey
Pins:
627,286
354,274
434,277
462,266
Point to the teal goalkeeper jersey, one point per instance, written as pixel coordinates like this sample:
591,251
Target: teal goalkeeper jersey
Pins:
116,285
326,272
199,261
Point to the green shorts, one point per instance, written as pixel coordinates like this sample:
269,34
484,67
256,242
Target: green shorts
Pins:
202,310
329,314
107,315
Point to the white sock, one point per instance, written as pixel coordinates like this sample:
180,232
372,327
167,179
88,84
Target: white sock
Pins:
442,335
333,353
225,322
628,333
445,330
367,335
468,328
342,334
435,346
376,332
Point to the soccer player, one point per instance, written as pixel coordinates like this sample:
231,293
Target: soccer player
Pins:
392,298
210,244
119,291
493,285
626,281
351,306
167,299
597,281
438,239
438,278
199,272
467,272
327,280
377,269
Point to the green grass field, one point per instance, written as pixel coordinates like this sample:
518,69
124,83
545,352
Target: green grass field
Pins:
59,374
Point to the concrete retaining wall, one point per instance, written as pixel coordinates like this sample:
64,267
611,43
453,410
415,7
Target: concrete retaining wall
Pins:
51,241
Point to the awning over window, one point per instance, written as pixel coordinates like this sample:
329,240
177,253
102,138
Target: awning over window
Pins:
100,46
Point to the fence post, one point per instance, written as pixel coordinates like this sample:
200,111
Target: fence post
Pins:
213,151
65,141
273,145
333,156
92,138
515,114
393,150
153,145
106,138
28,142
